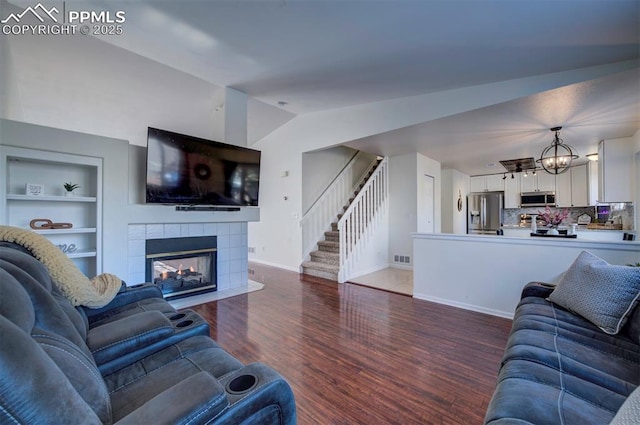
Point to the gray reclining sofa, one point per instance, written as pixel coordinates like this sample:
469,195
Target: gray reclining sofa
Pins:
135,361
573,354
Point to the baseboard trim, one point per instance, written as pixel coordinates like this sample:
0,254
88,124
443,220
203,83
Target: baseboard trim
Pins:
370,270
465,306
400,266
280,266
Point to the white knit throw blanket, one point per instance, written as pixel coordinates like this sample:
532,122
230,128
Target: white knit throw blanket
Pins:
73,284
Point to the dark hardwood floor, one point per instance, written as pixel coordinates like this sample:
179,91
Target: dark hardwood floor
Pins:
357,355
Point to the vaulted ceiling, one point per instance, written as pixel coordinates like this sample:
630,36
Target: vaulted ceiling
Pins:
327,54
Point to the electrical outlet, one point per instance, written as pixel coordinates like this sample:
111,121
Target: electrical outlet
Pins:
252,250
406,259
252,271
396,258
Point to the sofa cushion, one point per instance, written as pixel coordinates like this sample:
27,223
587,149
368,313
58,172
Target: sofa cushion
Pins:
602,293
132,386
32,387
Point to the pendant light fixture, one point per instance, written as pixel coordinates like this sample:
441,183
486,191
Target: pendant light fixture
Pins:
557,158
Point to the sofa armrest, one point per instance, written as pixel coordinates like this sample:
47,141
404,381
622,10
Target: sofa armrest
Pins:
126,295
537,289
195,400
129,334
257,395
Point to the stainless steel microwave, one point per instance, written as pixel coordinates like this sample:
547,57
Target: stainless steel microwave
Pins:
537,199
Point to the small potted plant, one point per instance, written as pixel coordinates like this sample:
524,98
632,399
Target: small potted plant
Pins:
69,188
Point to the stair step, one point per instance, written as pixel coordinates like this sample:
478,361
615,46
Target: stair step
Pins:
319,273
329,246
325,271
333,236
334,226
332,258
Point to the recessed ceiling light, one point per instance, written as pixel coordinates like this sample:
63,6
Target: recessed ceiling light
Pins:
491,164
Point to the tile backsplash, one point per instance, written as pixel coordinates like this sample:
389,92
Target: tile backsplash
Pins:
624,210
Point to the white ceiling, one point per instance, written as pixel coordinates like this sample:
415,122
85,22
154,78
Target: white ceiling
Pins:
325,54
606,108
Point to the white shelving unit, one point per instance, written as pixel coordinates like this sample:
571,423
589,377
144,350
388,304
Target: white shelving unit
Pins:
52,169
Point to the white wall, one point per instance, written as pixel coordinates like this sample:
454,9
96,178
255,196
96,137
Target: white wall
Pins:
616,170
426,166
403,204
319,169
407,200
454,184
83,84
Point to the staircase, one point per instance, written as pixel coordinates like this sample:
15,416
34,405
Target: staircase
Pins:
325,262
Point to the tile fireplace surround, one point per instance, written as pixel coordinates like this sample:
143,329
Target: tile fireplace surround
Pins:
232,266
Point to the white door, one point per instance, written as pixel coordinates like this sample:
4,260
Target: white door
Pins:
425,223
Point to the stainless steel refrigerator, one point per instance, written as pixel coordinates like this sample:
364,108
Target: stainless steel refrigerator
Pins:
484,212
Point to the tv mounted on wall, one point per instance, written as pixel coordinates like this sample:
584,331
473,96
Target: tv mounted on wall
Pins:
187,170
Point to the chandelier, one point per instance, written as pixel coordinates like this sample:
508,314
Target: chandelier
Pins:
557,158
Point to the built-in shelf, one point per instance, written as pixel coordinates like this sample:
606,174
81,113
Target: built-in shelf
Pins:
50,171
82,254
17,197
65,231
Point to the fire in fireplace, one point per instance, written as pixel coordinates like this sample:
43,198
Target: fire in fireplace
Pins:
182,266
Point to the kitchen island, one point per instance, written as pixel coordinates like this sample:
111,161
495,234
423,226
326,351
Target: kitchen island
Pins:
486,273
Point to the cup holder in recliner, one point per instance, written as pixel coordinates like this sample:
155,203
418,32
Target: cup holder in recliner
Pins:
139,285
184,323
241,384
177,316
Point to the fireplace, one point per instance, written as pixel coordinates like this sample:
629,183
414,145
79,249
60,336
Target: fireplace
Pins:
182,266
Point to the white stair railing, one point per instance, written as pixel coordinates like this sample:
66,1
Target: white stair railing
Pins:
360,221
325,210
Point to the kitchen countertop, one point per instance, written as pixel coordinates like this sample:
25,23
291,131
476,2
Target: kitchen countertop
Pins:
582,233
580,228
520,238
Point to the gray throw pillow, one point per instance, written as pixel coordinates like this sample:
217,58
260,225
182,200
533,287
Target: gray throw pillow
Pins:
602,293
629,413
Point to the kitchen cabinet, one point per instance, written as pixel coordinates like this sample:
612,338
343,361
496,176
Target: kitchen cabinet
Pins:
488,183
579,186
541,182
563,189
512,192
50,171
615,170
572,187
592,182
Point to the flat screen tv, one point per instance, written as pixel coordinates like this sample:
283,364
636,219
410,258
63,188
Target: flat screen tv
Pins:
187,170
